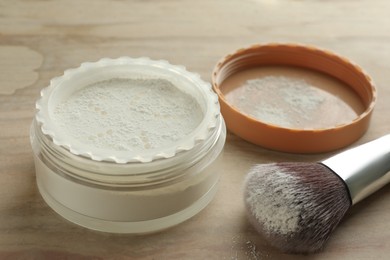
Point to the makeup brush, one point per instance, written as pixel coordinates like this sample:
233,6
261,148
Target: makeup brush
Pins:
296,205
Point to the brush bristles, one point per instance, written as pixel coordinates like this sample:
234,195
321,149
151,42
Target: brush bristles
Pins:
295,206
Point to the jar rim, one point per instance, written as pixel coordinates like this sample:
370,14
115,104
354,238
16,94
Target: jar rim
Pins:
192,84
135,174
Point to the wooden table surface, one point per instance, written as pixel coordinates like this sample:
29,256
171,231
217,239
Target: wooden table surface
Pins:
40,39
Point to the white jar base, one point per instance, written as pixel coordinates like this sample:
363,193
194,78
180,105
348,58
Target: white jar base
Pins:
141,227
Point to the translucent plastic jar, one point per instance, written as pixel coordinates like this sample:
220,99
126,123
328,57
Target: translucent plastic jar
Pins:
136,191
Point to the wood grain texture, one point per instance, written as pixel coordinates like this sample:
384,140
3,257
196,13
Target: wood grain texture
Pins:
40,39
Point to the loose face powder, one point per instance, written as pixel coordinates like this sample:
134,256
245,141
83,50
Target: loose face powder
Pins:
292,97
128,115
127,145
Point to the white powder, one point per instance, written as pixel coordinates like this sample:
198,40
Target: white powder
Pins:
281,100
290,102
128,114
273,201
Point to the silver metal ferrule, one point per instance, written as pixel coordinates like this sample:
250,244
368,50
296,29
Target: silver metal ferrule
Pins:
364,169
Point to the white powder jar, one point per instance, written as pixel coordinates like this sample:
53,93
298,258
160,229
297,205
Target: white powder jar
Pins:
127,145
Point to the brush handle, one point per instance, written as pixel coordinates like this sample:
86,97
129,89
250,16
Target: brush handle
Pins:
364,169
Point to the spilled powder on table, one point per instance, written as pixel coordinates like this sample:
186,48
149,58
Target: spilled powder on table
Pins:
245,249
